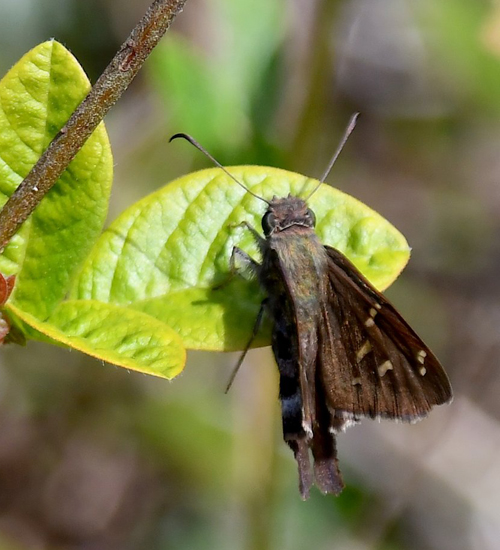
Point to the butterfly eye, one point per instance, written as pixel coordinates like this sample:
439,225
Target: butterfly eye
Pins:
311,216
268,223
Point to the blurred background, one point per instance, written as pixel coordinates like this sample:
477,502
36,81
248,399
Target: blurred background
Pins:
95,457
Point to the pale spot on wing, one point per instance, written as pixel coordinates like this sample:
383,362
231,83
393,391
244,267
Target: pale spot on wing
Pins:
356,381
378,306
373,312
363,350
422,371
384,367
369,322
421,355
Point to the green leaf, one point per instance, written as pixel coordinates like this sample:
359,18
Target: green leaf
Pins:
37,96
115,334
165,254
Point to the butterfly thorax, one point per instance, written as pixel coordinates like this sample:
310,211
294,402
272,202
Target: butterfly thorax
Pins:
294,260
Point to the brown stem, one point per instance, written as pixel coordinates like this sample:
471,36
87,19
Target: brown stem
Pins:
107,90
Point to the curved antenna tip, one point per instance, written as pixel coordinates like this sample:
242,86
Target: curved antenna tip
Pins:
191,140
181,135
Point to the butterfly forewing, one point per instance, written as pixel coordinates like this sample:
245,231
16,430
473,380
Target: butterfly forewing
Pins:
371,363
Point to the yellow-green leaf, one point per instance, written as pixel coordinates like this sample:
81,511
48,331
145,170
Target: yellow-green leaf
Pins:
37,96
114,334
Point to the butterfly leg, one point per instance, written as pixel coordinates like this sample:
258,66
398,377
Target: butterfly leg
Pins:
261,242
259,239
255,331
246,264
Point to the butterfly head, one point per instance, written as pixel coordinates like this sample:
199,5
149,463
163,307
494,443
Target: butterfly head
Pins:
284,213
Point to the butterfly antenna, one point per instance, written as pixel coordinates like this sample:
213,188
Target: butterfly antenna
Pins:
235,371
255,331
347,133
191,140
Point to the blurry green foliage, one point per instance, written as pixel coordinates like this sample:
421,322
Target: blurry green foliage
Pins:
227,99
468,70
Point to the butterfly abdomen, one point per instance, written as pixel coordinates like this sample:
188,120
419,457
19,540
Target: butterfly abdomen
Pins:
284,345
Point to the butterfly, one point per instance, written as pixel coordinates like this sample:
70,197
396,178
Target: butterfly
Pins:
342,349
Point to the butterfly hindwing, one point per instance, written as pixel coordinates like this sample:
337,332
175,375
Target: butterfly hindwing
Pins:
371,362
